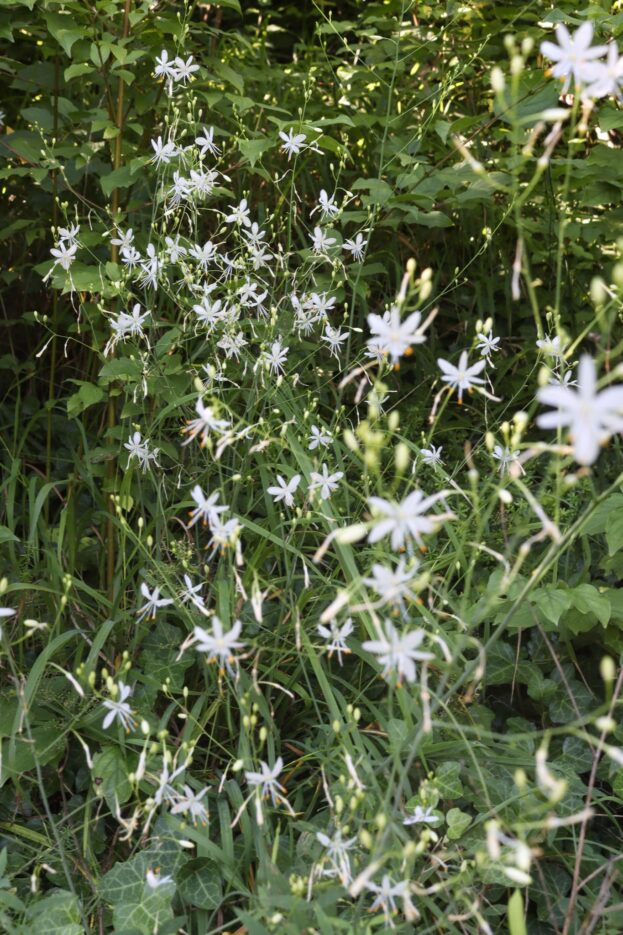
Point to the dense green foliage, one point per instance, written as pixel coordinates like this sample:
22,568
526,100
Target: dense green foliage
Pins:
507,740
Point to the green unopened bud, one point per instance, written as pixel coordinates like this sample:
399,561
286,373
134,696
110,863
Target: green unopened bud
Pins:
498,81
402,457
599,295
607,669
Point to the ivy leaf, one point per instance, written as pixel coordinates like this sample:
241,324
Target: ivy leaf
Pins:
146,916
110,777
58,913
199,883
458,823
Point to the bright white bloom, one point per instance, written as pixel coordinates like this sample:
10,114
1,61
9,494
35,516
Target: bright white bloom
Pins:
203,182
5,613
487,344
334,338
321,240
337,853
232,344
192,593
239,214
276,357
385,899
155,880
318,437
130,256
267,783
393,337
432,455
179,191
139,449
552,347
336,637
190,802
204,255
562,379
175,249
462,377
184,69
152,602
64,254
69,235
123,240
206,143
326,205
223,534
205,423
284,490
292,143
163,152
2,117
590,416
151,268
605,77
573,53
393,585
356,247
207,509
164,68
398,652
407,519
325,481
422,816
505,456
219,645
119,710
134,320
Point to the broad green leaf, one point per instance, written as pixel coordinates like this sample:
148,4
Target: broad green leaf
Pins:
552,602
380,191
64,30
118,178
587,599
614,531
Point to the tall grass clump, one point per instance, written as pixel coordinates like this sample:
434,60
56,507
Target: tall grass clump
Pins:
312,514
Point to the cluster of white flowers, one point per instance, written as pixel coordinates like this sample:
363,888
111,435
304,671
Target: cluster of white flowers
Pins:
596,70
